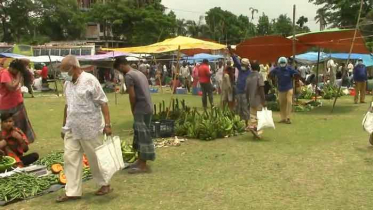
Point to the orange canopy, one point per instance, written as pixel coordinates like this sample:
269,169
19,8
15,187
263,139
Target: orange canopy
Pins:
266,49
270,48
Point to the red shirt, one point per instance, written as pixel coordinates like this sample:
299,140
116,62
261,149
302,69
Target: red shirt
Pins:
16,150
204,73
8,99
44,72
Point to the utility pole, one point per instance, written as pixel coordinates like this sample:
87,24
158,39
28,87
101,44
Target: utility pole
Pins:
294,44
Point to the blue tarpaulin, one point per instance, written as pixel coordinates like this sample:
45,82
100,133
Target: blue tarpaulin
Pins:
367,58
311,57
201,56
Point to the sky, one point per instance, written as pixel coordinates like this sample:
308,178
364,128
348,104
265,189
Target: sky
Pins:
193,9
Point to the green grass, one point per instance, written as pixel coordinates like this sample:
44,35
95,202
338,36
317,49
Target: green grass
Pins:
321,161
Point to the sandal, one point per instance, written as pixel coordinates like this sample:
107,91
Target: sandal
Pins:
104,190
137,170
65,198
282,121
255,133
288,121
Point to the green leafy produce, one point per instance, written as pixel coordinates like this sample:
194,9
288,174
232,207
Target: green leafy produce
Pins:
128,153
50,159
5,160
209,125
23,185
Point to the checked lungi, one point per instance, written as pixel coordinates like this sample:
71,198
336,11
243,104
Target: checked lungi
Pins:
142,139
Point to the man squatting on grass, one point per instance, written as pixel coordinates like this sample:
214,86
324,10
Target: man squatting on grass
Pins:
82,128
142,110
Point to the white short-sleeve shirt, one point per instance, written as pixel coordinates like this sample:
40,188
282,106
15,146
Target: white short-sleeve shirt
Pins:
84,99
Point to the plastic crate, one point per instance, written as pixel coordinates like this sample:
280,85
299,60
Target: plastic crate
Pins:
162,128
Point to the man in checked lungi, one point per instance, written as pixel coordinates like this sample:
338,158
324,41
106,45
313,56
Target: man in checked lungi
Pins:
142,110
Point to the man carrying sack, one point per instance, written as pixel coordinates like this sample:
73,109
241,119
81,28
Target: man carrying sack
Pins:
142,110
82,128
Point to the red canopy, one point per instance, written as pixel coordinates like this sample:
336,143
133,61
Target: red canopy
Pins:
270,48
267,49
335,40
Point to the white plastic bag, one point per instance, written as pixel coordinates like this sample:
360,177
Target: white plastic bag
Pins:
109,157
368,120
265,119
24,89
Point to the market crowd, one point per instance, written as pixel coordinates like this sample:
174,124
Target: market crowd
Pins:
245,86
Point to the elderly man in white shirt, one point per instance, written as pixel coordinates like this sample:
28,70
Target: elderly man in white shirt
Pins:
83,125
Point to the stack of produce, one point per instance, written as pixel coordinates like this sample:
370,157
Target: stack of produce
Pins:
209,125
22,185
129,155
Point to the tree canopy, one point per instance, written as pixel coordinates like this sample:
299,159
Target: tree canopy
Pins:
136,22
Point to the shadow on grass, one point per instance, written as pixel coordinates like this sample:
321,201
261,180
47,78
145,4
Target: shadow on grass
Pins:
327,110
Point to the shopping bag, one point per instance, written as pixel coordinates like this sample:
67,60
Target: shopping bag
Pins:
109,157
265,119
368,120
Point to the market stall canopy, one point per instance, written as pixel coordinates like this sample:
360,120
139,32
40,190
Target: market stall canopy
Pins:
200,57
169,45
106,56
311,58
270,48
367,58
36,59
338,40
266,49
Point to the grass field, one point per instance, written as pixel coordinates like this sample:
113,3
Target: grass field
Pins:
321,161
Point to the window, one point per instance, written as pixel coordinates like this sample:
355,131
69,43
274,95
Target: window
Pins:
65,52
75,51
44,51
55,51
36,52
86,51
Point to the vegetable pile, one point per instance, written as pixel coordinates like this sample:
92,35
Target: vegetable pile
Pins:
330,91
22,185
209,125
129,155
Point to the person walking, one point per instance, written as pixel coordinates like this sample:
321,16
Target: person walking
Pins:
360,77
284,75
204,77
256,97
82,128
142,110
242,105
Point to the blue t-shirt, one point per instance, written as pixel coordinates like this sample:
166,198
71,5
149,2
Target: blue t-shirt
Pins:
284,77
360,73
242,76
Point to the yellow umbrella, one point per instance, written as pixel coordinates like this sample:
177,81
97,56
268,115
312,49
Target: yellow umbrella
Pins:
169,45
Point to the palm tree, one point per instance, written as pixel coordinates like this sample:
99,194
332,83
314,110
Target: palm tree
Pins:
181,27
253,11
301,21
321,18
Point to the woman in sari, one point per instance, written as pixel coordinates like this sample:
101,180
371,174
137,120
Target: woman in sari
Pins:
11,100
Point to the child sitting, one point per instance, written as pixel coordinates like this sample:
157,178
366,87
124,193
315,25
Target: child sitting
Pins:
16,142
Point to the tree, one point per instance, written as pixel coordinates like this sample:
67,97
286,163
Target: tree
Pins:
321,18
264,27
343,13
16,19
301,21
181,27
60,19
224,26
253,11
283,25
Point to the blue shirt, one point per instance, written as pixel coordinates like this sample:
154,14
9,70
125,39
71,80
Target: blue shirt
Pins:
284,77
360,73
243,73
